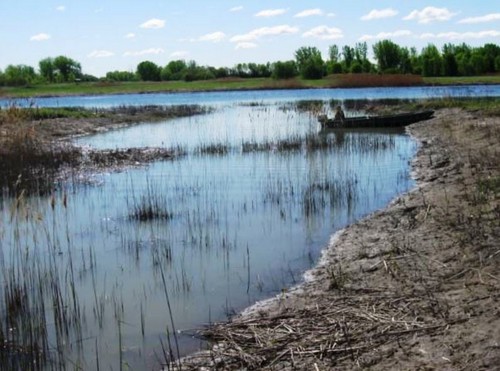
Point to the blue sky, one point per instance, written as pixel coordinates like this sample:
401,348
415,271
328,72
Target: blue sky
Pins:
107,35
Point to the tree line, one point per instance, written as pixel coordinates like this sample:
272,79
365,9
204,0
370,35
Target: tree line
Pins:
389,58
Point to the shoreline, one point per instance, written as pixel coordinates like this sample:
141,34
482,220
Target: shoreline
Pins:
392,290
9,97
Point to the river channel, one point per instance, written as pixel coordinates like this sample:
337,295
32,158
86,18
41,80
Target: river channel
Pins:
237,218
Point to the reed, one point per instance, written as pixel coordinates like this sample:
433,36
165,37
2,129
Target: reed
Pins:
372,80
150,206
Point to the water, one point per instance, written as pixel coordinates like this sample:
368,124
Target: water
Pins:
224,98
231,229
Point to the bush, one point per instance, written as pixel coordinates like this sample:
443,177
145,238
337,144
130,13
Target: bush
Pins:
334,68
284,70
356,68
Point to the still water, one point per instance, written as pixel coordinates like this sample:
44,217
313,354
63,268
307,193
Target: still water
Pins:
229,228
224,98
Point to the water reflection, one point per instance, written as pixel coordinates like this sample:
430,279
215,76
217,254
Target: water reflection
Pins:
92,267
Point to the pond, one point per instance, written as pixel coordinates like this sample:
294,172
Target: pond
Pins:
123,269
230,97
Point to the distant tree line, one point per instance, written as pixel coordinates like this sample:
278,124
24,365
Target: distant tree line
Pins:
451,60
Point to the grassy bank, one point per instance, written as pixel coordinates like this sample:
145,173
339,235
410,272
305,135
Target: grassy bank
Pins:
331,81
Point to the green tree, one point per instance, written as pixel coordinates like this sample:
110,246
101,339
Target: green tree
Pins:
361,57
19,75
405,65
259,70
174,70
148,71
66,68
360,52
195,72
333,65
388,55
309,62
284,70
450,65
333,53
356,67
497,63
463,53
491,52
221,72
121,76
241,70
47,69
348,53
431,61
479,61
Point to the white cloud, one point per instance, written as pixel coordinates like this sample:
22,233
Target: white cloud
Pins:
100,54
330,15
378,14
271,12
236,9
130,35
40,37
430,14
179,54
214,37
153,23
245,45
144,52
386,35
61,8
461,35
324,33
308,13
485,18
265,31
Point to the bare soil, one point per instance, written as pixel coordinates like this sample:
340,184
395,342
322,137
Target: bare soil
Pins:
412,287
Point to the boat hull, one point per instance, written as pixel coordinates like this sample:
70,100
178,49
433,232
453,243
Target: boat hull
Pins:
387,121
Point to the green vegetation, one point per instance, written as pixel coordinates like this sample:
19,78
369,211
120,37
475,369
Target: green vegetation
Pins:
330,81
390,58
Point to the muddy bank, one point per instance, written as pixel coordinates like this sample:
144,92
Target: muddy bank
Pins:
414,286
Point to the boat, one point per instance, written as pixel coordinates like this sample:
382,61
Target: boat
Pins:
382,121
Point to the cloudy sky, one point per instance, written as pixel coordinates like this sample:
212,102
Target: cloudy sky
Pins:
107,35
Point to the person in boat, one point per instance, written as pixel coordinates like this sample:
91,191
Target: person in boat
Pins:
339,114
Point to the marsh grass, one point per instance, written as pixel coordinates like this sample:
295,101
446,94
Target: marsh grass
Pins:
213,149
27,163
152,205
40,315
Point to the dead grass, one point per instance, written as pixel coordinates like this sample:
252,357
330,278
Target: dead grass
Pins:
371,80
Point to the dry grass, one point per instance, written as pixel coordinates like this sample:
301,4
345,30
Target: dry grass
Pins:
371,80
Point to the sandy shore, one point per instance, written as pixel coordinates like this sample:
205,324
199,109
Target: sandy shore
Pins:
414,286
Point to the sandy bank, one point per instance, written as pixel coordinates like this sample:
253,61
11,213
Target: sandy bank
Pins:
414,286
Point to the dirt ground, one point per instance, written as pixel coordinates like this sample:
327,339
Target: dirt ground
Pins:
412,287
